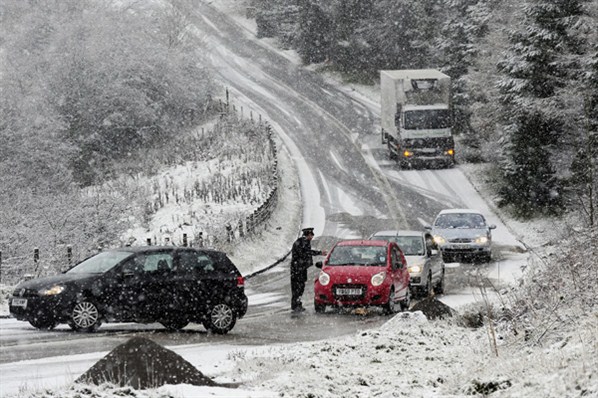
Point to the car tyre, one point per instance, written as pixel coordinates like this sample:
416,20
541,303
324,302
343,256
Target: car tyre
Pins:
320,308
439,288
406,302
85,317
390,307
221,319
43,324
428,288
174,325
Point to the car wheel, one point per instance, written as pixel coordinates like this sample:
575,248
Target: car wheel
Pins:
320,308
85,317
390,307
428,288
221,319
406,302
44,324
175,324
439,288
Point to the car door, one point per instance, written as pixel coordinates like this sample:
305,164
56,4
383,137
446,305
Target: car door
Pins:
400,272
139,291
157,299
193,275
433,258
122,289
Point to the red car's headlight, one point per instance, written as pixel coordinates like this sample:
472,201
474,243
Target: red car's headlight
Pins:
378,278
324,278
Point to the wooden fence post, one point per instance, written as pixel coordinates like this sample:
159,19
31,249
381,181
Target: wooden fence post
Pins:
149,241
69,255
35,260
241,232
184,240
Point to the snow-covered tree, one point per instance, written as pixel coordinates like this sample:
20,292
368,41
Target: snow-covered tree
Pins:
534,69
466,22
277,18
400,34
313,36
584,180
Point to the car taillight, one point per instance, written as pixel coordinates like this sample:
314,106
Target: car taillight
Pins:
240,281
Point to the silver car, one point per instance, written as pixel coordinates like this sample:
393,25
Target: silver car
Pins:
463,234
426,270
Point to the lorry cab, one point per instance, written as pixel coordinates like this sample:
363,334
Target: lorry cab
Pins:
416,116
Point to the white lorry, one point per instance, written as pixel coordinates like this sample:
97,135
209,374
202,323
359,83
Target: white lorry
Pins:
416,117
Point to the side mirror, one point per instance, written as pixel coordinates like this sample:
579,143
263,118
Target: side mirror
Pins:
492,226
319,264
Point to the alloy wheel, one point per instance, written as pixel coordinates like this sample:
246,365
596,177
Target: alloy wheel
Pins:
85,315
221,316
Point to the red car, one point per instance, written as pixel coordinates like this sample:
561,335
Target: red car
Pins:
359,273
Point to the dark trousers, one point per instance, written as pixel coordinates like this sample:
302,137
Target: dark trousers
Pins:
297,288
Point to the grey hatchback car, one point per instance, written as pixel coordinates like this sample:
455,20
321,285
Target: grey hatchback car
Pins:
463,234
426,270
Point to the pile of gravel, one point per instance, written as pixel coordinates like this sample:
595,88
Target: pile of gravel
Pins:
433,309
141,363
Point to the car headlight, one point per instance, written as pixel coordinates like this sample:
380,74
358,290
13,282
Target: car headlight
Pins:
481,239
378,278
415,269
57,289
439,240
324,278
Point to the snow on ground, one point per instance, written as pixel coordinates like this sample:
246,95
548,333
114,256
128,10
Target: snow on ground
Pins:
409,356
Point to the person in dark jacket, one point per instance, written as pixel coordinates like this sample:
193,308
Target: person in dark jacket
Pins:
301,260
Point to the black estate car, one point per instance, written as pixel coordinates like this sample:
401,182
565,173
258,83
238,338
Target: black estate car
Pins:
170,285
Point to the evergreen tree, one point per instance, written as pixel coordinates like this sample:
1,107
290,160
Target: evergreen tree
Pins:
584,169
399,34
313,37
456,44
348,52
535,68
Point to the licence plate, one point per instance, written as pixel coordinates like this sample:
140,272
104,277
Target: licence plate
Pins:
348,292
19,302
